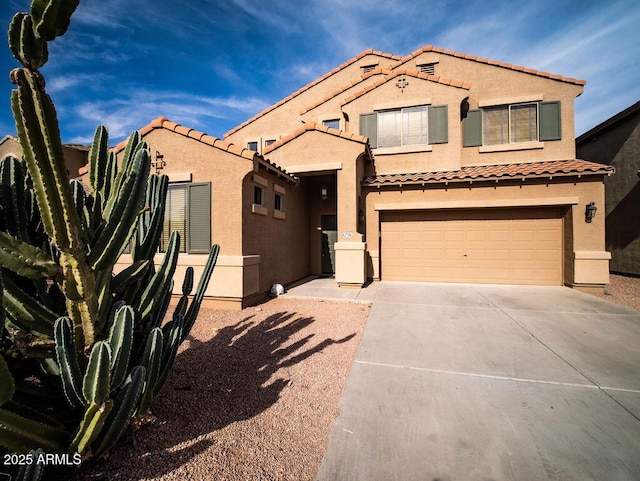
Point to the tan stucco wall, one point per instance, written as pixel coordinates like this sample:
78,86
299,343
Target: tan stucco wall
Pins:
585,259
74,158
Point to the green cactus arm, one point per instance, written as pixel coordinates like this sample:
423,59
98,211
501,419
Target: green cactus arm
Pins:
133,146
20,434
34,470
150,227
97,383
98,158
80,201
24,259
187,286
66,355
133,273
160,282
92,423
3,313
121,342
110,175
169,350
124,409
52,17
7,384
194,308
122,217
151,360
25,311
13,198
26,47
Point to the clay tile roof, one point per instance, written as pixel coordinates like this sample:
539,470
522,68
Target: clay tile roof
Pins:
407,73
546,169
431,48
310,127
311,84
164,123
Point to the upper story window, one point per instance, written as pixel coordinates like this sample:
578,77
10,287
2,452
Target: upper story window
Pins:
332,123
418,125
252,146
509,124
267,143
520,123
257,195
188,211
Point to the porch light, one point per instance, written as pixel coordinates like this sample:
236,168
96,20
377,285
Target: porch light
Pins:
324,192
590,212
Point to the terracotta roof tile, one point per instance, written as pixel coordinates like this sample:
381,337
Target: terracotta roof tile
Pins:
431,48
310,127
555,168
311,84
164,123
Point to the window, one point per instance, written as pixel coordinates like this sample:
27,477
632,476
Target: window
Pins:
257,195
510,124
420,125
277,202
188,211
252,146
513,124
267,143
332,124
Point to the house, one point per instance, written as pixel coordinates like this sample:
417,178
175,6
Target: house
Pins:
436,166
75,155
616,142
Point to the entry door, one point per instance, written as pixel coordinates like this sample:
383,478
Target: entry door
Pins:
329,226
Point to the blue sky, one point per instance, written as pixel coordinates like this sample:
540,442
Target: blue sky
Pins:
211,64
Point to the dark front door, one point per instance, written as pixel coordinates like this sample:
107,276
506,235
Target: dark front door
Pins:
329,238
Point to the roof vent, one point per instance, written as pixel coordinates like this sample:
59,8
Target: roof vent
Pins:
428,68
368,68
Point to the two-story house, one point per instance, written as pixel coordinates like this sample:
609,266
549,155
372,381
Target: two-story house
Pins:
437,166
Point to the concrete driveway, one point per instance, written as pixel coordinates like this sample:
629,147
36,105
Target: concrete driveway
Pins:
488,382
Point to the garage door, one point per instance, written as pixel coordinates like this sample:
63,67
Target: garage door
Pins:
499,246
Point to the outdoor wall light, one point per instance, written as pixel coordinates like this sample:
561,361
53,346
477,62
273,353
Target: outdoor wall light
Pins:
361,215
590,211
323,192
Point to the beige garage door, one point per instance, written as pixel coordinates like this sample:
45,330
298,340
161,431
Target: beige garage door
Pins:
498,246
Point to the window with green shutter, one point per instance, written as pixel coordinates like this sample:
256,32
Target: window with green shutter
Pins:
188,211
550,121
472,129
438,124
369,128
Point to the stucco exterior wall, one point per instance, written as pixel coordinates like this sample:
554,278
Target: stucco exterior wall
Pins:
75,157
584,256
619,145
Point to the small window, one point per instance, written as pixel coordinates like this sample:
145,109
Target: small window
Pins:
277,202
428,68
267,143
252,146
257,195
332,124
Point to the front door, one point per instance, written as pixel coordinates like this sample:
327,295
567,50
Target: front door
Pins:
329,237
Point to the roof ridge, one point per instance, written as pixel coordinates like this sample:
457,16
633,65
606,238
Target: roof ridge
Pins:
312,126
311,84
519,68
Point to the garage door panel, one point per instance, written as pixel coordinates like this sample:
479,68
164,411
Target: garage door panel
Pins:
522,246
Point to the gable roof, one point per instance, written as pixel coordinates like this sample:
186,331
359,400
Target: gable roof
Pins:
528,170
310,127
311,84
609,122
406,73
497,63
164,123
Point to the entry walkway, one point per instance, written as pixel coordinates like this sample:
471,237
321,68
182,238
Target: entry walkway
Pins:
486,382
327,288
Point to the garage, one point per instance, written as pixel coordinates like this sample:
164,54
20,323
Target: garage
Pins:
496,246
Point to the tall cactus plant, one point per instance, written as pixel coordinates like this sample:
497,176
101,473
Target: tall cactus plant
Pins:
82,351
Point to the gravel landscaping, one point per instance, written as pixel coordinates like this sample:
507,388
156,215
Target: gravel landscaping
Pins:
623,290
252,396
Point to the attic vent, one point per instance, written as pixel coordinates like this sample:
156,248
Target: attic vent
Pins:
428,68
368,68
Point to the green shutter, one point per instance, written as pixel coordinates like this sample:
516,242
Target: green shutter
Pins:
550,121
199,238
472,129
369,128
438,124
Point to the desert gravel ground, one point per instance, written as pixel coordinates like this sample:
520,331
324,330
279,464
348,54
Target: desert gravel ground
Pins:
623,290
252,396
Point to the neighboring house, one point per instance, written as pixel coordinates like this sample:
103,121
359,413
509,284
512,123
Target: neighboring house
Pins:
616,142
437,166
75,155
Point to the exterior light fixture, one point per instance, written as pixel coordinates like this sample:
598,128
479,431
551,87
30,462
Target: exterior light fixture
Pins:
159,162
590,212
324,192
361,215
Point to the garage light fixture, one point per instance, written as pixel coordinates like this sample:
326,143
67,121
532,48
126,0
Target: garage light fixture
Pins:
324,192
590,212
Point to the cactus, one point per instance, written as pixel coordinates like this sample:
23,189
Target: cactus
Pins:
82,351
